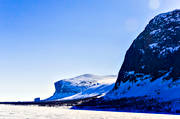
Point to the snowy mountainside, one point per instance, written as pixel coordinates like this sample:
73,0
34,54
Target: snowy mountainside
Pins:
151,67
163,90
82,86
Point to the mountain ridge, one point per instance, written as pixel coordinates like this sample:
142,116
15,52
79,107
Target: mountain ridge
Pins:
83,86
151,66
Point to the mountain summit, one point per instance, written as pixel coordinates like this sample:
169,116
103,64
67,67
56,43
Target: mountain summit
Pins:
152,63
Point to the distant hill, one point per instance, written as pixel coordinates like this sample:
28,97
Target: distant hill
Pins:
83,86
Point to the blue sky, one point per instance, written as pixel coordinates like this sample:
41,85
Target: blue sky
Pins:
42,41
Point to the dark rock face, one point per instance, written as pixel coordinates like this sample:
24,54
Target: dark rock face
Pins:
155,51
148,80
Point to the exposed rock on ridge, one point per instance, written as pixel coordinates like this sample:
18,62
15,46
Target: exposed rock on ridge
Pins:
155,51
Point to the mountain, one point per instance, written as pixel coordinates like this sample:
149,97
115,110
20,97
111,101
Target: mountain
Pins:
149,79
83,86
151,67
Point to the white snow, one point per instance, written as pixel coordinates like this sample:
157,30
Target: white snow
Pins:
177,27
155,31
171,29
169,49
130,73
142,51
35,112
84,86
167,17
172,19
163,89
99,90
153,45
143,67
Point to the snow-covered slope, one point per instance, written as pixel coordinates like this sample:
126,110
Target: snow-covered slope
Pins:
152,63
163,90
83,86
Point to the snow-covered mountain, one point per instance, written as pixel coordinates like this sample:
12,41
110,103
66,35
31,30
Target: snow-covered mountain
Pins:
83,86
152,63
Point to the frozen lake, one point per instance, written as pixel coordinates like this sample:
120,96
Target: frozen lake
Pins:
35,112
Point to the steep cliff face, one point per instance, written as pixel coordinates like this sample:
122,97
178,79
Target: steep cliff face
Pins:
152,63
83,86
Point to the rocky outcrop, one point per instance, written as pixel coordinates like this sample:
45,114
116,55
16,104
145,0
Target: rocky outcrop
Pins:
152,63
149,79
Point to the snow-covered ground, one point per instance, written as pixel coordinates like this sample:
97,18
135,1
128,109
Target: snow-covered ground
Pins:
83,86
165,90
35,112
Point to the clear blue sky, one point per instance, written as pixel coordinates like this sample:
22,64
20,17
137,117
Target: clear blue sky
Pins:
42,41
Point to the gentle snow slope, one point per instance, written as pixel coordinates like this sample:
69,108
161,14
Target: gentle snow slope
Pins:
36,112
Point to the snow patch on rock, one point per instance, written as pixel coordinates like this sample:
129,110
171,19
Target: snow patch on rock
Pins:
155,31
167,50
153,45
